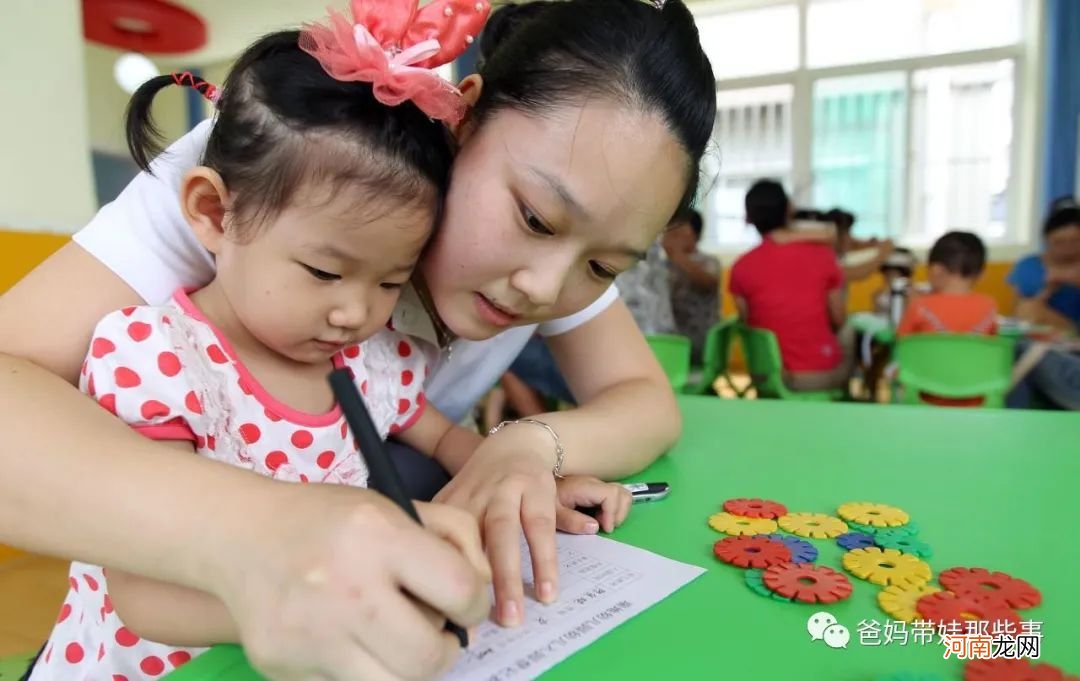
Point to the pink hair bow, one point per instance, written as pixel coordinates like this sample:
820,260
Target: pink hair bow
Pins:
396,46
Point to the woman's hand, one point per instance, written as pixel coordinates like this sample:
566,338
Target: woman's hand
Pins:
333,579
583,491
508,486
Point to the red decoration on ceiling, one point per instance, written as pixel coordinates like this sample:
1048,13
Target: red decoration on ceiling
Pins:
148,26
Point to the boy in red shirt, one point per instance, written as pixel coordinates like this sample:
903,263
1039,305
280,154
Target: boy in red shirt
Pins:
796,290
956,261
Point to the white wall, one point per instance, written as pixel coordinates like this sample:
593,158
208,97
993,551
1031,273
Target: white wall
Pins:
46,182
106,103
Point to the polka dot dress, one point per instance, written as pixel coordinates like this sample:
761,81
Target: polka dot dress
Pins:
170,375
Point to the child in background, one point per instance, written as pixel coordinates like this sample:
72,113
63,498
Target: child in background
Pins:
795,289
899,265
694,278
952,306
321,184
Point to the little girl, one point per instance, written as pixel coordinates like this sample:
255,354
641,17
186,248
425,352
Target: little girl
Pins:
322,181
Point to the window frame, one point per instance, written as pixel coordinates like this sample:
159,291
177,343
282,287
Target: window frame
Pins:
1023,215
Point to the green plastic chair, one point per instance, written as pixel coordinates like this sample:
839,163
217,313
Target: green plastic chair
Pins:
14,666
715,357
955,366
766,368
673,353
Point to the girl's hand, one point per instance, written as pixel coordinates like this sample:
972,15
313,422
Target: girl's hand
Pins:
582,491
332,579
508,486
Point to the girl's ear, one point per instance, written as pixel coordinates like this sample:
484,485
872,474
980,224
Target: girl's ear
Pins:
203,201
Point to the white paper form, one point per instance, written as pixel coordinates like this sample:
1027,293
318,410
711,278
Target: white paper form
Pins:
602,584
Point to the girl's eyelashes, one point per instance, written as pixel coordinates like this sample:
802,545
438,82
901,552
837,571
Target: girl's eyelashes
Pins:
321,275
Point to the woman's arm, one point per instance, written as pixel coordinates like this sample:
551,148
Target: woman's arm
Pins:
188,520
627,415
1036,310
627,418
870,267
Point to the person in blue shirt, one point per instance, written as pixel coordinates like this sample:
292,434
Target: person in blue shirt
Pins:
1047,284
1048,290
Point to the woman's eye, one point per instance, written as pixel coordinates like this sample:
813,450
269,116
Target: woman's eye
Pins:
602,271
321,274
535,224
391,286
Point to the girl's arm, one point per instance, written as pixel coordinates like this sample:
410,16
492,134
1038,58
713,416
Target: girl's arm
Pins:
434,435
78,483
170,613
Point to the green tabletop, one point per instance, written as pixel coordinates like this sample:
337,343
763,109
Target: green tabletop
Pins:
988,488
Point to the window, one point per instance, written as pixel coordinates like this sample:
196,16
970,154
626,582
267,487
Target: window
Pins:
900,111
751,42
752,139
856,31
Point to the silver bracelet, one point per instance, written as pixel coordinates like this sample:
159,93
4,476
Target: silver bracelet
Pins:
560,453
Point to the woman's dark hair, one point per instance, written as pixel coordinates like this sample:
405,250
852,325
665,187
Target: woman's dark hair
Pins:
282,122
960,253
1064,211
843,219
540,56
767,206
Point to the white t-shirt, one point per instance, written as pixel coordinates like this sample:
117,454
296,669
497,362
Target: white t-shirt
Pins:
143,238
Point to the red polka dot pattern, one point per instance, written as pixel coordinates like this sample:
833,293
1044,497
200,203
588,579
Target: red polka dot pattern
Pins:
136,371
101,347
169,364
73,653
108,402
276,459
139,331
191,401
152,409
302,439
152,665
126,378
250,433
216,354
125,638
